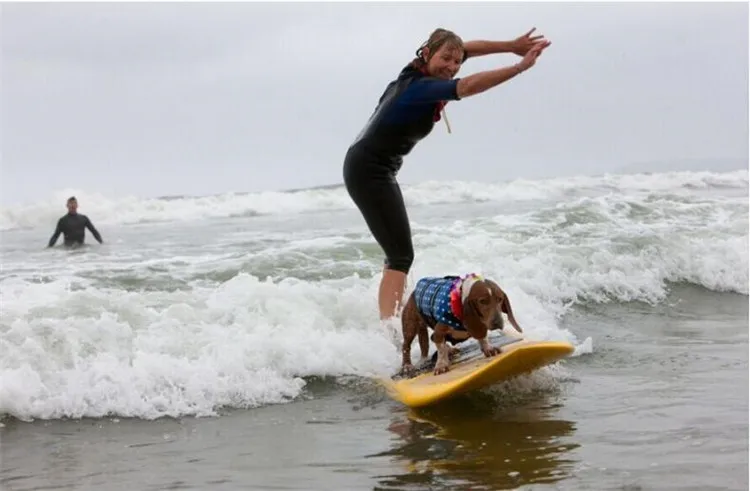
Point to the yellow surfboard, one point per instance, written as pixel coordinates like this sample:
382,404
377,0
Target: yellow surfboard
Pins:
518,355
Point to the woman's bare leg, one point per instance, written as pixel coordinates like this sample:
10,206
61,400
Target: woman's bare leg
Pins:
392,286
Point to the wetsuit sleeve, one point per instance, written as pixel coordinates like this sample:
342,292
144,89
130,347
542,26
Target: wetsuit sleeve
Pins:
93,230
56,234
430,90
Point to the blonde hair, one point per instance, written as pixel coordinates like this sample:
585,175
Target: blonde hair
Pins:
437,40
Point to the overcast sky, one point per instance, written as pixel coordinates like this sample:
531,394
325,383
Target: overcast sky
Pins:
200,98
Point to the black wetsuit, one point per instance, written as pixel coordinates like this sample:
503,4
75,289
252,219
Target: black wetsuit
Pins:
73,227
406,113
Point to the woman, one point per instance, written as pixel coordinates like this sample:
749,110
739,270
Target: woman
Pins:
406,113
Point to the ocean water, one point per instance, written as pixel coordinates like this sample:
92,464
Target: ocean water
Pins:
210,328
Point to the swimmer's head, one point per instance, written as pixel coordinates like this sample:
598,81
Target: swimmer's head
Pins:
441,55
72,204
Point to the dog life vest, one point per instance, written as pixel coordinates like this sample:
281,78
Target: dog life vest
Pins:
440,299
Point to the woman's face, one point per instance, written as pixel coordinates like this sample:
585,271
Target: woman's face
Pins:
445,62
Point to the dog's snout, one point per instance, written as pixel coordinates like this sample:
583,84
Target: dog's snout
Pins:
497,322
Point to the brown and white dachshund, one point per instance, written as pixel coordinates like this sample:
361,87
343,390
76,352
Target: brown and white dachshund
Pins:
456,308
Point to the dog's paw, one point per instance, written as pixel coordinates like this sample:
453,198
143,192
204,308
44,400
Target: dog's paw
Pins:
441,367
490,351
407,370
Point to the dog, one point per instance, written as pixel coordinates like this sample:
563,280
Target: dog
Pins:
456,308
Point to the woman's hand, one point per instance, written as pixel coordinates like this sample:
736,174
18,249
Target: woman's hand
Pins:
479,82
531,55
523,44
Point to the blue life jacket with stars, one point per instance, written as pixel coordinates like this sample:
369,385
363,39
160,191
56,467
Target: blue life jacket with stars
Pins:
433,298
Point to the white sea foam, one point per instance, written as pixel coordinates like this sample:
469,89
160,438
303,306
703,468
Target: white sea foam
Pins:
78,338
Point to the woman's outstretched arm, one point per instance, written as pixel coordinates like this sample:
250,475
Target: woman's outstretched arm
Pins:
519,46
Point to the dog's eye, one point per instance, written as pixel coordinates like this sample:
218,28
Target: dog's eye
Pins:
484,301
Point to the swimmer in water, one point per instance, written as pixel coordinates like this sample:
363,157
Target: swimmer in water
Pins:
406,113
73,227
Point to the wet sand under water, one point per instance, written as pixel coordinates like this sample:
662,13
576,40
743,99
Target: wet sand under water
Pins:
661,403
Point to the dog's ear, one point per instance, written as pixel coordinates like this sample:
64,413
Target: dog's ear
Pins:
469,308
